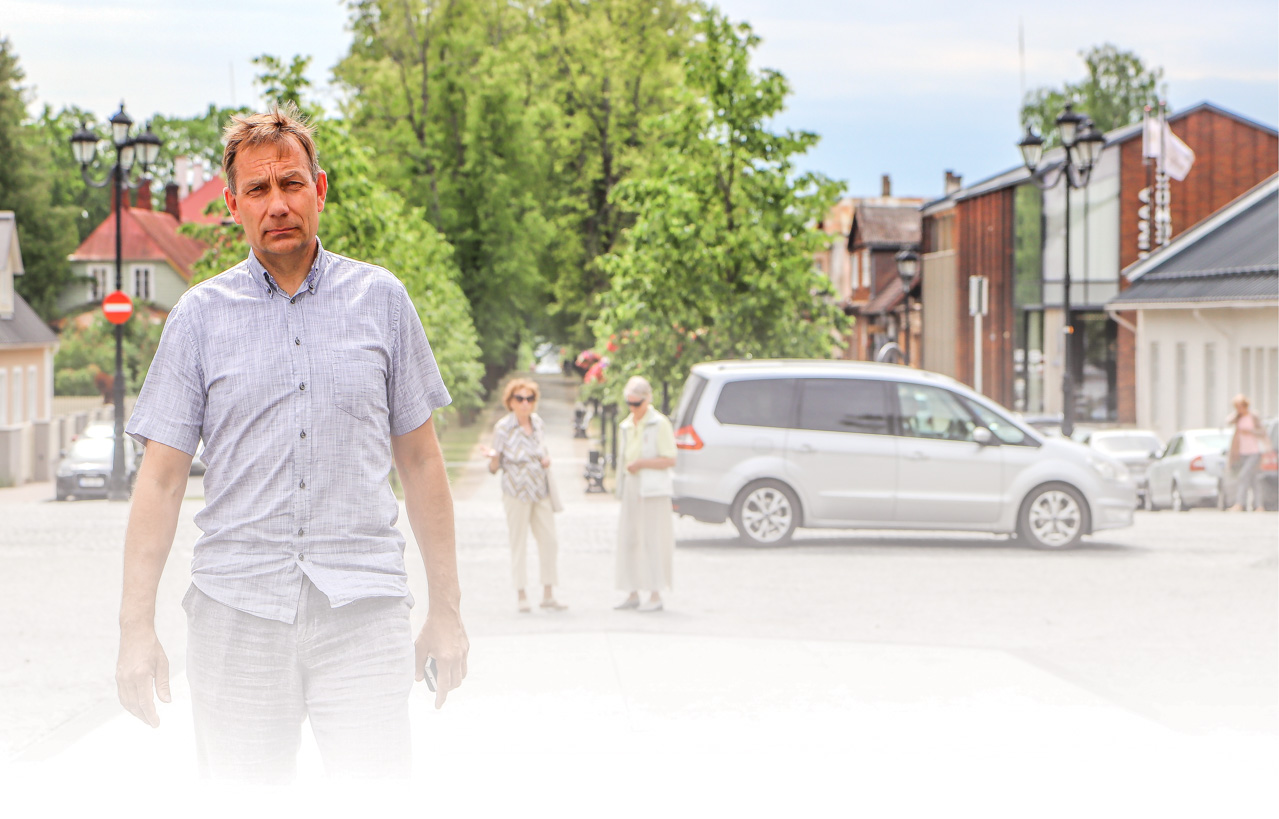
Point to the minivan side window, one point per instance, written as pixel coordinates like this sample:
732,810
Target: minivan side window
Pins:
757,402
932,412
1001,428
844,405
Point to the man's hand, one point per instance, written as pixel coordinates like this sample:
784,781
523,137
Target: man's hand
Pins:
443,638
141,666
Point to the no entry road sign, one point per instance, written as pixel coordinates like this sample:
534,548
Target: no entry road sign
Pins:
117,307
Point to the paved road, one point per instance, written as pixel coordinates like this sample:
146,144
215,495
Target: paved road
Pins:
861,647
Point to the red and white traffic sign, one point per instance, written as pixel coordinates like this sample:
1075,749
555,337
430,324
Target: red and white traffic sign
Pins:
117,307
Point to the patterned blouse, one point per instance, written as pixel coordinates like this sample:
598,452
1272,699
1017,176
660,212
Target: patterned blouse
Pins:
523,476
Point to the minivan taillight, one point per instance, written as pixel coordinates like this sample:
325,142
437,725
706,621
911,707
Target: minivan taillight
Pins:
1197,463
686,438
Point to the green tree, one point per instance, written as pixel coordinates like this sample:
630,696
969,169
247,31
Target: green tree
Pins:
718,263
47,232
85,352
1116,91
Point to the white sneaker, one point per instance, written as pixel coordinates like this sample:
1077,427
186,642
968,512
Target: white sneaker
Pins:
652,605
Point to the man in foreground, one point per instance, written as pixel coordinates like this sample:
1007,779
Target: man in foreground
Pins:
306,374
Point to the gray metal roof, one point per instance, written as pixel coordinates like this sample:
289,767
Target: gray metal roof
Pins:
1235,260
25,327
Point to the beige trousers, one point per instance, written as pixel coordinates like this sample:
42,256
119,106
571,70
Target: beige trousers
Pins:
522,516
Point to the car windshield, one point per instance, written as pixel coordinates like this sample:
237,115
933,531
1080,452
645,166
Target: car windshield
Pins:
1210,441
96,450
1128,443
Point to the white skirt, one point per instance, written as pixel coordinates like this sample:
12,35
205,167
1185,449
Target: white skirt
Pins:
645,541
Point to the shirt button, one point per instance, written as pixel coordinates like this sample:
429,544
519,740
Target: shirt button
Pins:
301,558
302,386
301,532
293,300
297,340
301,484
303,434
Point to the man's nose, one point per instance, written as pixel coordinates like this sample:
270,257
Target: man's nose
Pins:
276,202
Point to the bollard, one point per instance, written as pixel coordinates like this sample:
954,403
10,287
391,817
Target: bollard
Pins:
594,472
579,422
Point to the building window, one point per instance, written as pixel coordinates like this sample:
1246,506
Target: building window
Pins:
15,380
1211,410
32,395
1180,408
142,283
1154,383
866,267
1245,371
99,283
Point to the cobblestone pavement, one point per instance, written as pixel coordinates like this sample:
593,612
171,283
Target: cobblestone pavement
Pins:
1173,620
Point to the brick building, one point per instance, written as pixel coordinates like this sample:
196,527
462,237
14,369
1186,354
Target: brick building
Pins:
1006,229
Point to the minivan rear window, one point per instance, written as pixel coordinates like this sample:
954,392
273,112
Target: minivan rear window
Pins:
844,405
758,402
688,400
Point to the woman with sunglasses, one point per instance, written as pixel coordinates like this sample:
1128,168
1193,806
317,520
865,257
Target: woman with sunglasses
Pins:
646,531
519,450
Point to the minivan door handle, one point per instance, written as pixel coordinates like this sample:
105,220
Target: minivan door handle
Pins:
916,455
805,449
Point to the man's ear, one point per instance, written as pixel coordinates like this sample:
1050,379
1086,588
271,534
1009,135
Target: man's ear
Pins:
231,205
321,190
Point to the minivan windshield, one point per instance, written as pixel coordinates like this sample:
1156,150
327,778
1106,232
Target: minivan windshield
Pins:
93,450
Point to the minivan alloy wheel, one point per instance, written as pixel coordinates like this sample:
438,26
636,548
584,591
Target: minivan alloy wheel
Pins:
1054,518
766,513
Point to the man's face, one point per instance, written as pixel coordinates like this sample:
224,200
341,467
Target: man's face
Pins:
277,201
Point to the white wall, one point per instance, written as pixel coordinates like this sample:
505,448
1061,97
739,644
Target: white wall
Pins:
1216,345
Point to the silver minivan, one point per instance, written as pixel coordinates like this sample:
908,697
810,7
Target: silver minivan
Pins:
776,445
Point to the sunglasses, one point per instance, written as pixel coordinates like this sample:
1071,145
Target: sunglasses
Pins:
528,398
631,403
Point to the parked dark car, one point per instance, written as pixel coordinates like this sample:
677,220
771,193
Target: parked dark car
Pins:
85,469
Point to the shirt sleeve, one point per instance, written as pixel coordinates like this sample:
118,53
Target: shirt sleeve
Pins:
414,388
170,407
499,436
665,439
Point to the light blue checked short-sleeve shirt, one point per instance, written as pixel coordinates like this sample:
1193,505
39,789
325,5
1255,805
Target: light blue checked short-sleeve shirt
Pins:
296,397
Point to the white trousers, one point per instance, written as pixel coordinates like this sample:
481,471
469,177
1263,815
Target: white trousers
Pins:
521,516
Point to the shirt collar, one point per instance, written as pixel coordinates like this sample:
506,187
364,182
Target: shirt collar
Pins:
264,278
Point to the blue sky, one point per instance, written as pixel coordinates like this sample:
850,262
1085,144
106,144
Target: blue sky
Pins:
905,88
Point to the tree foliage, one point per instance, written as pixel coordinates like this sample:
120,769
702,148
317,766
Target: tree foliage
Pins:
718,263
46,230
85,352
1116,91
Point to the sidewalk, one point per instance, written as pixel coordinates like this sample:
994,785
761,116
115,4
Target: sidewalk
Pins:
601,714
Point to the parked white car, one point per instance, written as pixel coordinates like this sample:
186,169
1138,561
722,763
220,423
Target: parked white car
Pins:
1136,449
1189,470
776,445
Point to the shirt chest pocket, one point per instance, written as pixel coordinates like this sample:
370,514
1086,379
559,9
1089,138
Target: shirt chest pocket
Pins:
359,383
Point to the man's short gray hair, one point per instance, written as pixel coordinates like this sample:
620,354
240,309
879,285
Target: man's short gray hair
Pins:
639,387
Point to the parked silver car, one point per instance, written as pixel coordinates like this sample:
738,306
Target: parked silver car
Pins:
775,445
85,470
1189,470
1136,449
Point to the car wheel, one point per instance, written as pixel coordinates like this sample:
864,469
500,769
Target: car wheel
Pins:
62,496
1178,502
1148,501
766,512
1053,516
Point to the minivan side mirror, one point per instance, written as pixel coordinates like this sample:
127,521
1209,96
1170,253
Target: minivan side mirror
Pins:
984,437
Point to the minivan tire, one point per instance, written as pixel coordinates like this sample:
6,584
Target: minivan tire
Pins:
1053,516
766,513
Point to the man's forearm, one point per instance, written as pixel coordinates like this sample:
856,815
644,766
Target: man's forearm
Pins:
429,504
153,520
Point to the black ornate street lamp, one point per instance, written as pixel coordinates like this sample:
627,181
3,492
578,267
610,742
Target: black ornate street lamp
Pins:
144,150
907,270
1082,144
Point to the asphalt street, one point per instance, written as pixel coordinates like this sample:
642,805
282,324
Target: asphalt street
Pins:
1143,665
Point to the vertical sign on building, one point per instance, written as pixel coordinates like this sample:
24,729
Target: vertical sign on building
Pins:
1166,157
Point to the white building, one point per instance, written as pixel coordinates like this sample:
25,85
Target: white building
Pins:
1207,309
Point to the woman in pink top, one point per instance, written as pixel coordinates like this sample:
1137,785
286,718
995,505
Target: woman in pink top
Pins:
1246,448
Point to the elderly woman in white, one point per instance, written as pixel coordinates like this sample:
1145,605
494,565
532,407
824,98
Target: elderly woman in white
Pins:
646,533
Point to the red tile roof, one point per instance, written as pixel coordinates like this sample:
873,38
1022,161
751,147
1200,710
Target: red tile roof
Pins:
145,235
192,208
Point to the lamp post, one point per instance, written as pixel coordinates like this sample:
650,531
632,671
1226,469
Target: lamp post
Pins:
907,269
143,149
1082,144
